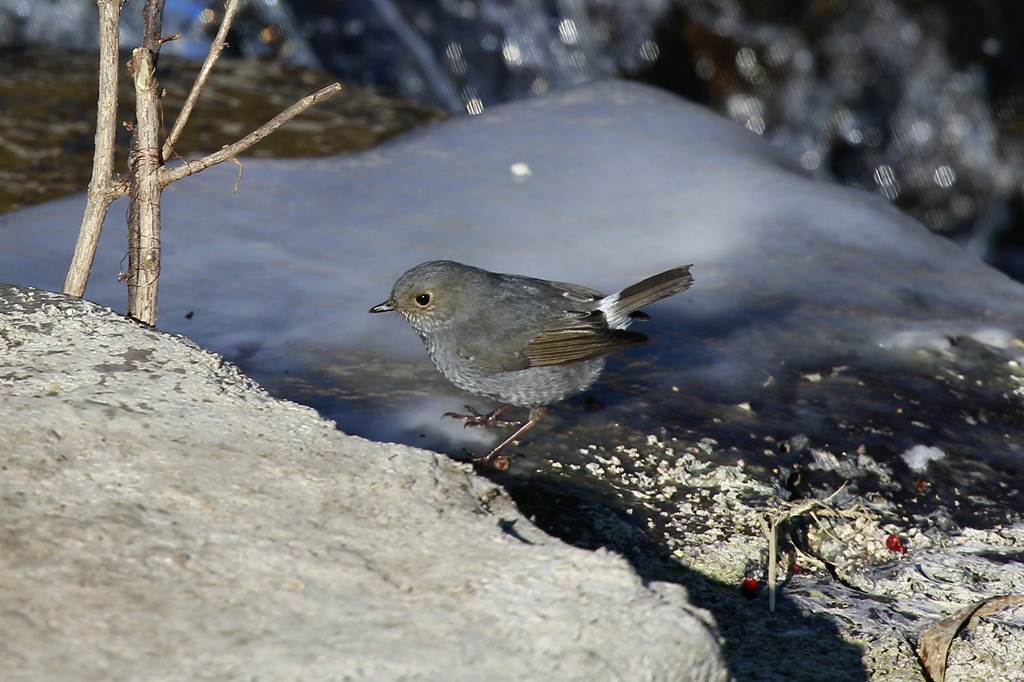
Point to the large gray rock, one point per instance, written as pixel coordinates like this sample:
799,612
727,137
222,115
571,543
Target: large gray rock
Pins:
164,518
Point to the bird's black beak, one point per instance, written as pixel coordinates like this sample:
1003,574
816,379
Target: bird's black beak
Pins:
384,307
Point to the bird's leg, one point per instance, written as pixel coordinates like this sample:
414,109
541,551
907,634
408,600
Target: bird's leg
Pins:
501,461
474,418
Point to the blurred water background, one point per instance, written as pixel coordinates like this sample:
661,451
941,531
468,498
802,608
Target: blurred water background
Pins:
918,101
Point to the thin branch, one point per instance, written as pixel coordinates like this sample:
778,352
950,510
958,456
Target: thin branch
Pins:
145,187
101,188
238,182
230,9
152,26
169,175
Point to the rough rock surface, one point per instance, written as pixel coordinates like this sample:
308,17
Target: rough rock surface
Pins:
164,518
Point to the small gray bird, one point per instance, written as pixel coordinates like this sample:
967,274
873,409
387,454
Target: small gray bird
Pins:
522,341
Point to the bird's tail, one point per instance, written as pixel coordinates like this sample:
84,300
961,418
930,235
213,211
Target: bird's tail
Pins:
619,308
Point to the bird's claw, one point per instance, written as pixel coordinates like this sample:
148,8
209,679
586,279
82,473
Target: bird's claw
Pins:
499,461
474,418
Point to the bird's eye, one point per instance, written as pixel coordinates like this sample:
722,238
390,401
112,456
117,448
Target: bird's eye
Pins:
423,299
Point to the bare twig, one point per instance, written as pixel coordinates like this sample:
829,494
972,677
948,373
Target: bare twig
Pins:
169,175
238,182
773,562
228,152
230,9
152,26
102,190
145,188
144,214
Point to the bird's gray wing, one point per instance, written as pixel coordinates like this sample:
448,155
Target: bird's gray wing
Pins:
570,329
577,293
578,337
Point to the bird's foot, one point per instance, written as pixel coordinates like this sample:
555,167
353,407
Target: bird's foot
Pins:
496,457
498,460
474,418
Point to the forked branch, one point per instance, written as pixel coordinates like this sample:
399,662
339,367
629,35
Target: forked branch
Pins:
147,174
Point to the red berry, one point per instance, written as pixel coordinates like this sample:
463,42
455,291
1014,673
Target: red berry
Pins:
895,544
748,588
